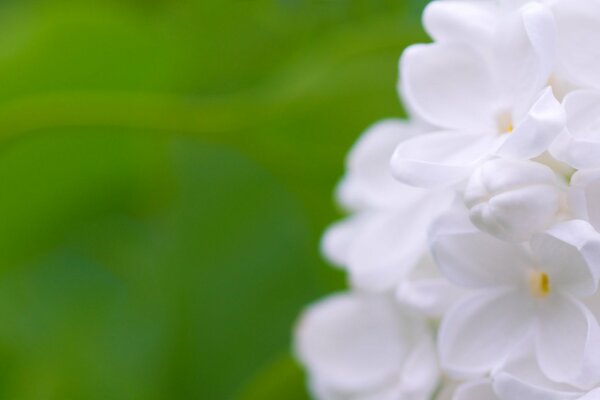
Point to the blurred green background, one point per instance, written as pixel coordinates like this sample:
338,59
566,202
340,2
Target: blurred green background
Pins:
166,171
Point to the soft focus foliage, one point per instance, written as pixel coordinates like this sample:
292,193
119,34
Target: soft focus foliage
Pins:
165,170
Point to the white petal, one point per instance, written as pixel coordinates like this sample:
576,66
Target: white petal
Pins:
381,247
440,159
460,21
480,331
450,85
476,390
338,239
593,395
567,341
578,26
352,342
426,291
523,370
533,136
388,247
569,253
515,215
579,146
584,196
421,373
368,182
526,51
510,387
513,4
431,297
471,258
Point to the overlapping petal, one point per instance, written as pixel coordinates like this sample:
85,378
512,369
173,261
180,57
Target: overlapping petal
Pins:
471,258
480,331
568,342
511,387
441,159
525,53
543,122
450,85
512,199
397,238
431,297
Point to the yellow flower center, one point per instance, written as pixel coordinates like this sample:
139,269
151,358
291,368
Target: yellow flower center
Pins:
504,122
539,284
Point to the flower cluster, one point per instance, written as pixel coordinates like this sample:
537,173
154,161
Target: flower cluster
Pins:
472,243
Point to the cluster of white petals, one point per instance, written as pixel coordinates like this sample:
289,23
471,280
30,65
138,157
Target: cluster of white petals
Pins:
472,243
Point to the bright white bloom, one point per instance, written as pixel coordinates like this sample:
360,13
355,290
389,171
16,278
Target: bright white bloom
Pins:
491,225
363,347
519,293
513,199
484,103
390,219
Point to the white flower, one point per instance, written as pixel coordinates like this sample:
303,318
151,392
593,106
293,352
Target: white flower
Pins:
364,347
513,199
390,219
492,223
482,102
519,293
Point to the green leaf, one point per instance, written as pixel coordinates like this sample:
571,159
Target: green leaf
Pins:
282,379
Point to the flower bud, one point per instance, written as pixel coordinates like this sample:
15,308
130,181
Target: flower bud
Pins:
512,199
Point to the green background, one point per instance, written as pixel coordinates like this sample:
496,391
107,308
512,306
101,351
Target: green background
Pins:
166,171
